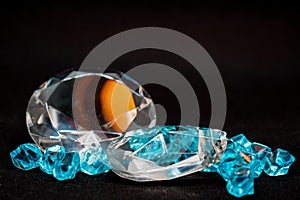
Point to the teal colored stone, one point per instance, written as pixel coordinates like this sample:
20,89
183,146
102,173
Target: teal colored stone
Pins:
68,167
94,161
278,162
52,156
212,168
235,163
159,148
240,186
241,153
240,142
26,156
260,150
243,161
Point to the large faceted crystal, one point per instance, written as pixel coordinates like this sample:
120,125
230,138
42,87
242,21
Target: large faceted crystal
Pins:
167,152
78,109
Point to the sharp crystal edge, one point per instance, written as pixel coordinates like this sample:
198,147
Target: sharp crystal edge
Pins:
120,104
164,153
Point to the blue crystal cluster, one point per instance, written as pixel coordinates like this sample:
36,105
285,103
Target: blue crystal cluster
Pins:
243,161
57,162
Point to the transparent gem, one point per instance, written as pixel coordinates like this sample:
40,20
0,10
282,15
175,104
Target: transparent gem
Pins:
94,161
51,156
76,109
234,164
67,167
240,186
243,161
240,142
278,162
26,156
163,153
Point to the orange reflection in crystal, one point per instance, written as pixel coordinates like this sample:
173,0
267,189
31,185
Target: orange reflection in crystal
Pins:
116,101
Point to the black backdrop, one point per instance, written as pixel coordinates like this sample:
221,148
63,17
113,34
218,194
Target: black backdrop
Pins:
255,47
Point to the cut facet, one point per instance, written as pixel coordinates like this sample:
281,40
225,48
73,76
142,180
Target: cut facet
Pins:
243,161
94,161
68,167
26,156
240,186
278,162
163,153
52,156
65,111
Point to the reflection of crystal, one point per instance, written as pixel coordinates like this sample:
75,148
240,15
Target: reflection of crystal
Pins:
167,152
26,156
116,104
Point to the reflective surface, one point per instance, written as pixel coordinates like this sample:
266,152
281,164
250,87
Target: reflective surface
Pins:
165,152
66,111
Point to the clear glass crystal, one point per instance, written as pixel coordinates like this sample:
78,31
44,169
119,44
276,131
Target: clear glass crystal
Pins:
78,109
167,152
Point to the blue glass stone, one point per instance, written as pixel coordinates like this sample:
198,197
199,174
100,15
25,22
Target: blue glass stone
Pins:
212,168
94,161
236,159
240,142
26,156
256,167
235,164
68,167
51,156
240,186
260,150
278,162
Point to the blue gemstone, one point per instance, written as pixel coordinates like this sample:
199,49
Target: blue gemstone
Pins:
260,150
240,160
278,162
51,156
235,163
68,167
240,186
94,161
26,156
240,142
212,168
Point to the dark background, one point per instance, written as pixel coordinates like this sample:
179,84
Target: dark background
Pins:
255,46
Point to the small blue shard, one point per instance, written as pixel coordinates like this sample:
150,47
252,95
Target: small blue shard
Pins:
240,186
51,156
278,162
68,167
26,156
94,161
